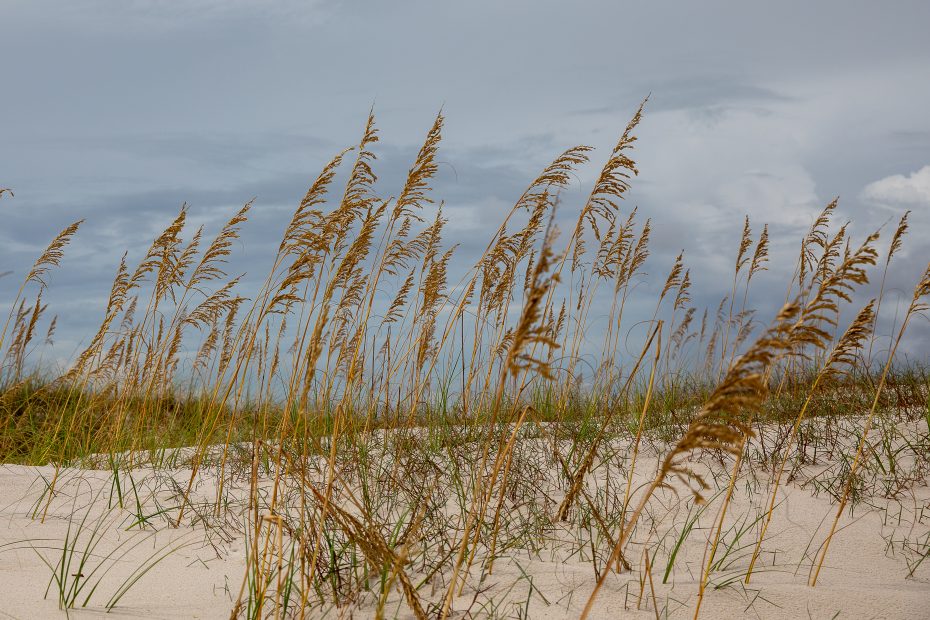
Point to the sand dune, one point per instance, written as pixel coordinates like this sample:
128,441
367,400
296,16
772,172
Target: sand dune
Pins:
201,564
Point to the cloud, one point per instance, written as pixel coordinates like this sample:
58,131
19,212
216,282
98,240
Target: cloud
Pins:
900,190
168,13
708,98
119,112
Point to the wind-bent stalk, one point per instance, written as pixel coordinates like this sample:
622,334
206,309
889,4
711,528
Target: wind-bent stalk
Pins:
718,426
920,291
842,353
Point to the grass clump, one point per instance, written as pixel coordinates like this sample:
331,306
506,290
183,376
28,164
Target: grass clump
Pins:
384,438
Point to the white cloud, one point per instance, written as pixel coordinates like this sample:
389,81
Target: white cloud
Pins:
898,189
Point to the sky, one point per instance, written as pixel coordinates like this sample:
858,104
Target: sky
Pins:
120,111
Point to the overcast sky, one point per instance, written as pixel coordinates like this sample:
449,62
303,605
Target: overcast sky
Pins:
119,111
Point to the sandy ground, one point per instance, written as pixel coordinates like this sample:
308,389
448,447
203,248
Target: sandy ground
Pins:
866,575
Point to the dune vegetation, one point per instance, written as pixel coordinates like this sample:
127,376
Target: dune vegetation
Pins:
366,435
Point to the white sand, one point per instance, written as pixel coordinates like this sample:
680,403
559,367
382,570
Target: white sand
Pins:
865,575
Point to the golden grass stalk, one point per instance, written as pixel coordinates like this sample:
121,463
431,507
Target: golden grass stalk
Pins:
527,333
816,237
896,241
718,426
806,330
307,234
759,258
50,257
916,306
843,353
742,257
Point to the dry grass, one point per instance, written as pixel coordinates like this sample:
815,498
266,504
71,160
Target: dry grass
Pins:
387,436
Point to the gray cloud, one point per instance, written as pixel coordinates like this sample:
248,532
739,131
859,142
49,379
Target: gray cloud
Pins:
705,94
121,112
